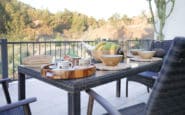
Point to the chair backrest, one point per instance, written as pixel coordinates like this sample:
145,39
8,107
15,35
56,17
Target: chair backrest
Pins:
168,94
165,44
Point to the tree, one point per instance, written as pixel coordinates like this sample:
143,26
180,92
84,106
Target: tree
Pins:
3,17
91,22
126,19
114,19
79,23
161,15
62,21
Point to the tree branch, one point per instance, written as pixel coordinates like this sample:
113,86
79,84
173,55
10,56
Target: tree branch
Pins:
152,13
172,7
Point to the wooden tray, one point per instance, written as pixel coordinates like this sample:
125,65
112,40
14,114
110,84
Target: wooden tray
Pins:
74,73
120,66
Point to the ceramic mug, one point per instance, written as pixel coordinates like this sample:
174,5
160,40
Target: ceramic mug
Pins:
84,62
64,64
127,60
75,61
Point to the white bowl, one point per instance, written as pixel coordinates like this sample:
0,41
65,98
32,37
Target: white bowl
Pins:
135,51
146,54
111,60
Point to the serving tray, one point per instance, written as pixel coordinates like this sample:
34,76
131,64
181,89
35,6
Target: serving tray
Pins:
73,73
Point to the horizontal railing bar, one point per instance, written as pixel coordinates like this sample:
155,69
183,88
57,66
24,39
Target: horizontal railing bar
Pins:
47,42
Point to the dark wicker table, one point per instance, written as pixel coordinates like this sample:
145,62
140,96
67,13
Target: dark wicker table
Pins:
74,87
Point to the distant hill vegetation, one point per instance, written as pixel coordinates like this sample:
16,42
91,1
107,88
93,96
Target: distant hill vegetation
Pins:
19,21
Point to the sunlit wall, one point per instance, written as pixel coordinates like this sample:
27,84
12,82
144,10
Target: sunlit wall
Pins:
175,25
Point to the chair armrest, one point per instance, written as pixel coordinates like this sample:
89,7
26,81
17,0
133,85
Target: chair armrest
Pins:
4,80
103,102
17,104
149,74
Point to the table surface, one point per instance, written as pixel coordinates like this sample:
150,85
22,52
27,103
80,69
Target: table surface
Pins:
99,78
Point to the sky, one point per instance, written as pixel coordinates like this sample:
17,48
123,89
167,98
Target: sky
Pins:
96,8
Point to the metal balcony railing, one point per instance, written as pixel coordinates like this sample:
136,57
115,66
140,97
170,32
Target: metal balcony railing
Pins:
3,59
17,51
12,53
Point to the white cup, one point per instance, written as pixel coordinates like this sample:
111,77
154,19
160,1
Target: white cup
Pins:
84,62
126,60
64,64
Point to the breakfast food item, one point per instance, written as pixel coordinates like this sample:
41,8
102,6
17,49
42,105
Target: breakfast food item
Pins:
104,48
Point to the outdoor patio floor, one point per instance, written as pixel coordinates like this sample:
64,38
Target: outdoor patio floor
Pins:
53,101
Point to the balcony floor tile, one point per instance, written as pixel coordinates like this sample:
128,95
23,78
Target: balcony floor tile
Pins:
53,101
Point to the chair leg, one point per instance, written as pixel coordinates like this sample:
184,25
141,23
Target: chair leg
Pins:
126,88
5,89
118,88
148,89
90,105
27,109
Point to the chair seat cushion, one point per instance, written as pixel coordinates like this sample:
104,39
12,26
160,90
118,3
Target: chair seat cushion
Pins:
159,52
15,111
146,78
149,74
133,110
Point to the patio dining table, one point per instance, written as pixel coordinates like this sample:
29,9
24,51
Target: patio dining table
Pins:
75,86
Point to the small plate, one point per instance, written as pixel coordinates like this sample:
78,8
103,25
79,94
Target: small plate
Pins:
131,56
120,66
145,60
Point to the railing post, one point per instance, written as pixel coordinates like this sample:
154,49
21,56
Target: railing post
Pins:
4,58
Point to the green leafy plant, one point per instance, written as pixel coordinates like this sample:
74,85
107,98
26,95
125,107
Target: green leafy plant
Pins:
161,15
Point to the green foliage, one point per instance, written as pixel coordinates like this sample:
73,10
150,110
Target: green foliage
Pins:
20,22
79,23
126,19
106,46
110,46
114,18
62,21
72,53
3,17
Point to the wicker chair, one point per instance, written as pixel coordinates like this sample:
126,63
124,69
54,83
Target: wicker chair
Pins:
17,108
148,77
168,94
4,83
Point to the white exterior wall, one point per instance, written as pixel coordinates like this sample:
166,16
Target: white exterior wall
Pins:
175,25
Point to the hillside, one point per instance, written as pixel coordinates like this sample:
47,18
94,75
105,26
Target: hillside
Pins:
21,22
138,28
